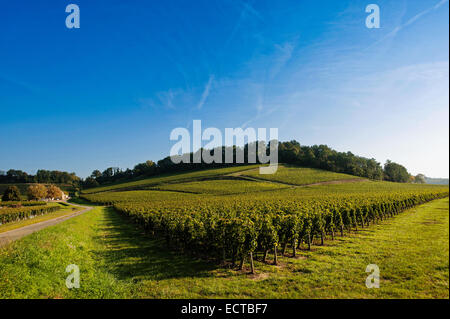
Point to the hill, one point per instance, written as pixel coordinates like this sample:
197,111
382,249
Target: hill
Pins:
169,178
288,175
436,181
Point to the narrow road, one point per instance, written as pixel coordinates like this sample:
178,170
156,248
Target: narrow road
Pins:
11,235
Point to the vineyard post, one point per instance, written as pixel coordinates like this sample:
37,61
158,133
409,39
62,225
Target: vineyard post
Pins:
252,267
299,243
275,259
241,263
293,247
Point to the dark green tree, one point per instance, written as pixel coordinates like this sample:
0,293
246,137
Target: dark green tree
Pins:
12,193
96,174
394,172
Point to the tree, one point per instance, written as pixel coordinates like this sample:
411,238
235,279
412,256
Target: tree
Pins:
395,172
419,178
90,182
148,168
12,193
17,176
96,174
54,192
37,191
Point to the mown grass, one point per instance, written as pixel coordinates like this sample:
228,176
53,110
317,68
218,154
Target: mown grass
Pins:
117,260
299,175
169,178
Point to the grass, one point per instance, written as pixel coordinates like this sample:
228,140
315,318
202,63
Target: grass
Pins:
170,178
222,187
300,175
65,210
117,260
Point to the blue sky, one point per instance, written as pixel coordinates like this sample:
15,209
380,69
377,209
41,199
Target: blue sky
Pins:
109,93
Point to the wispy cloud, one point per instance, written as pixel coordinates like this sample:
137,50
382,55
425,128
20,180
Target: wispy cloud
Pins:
246,11
167,98
276,64
163,99
397,29
283,55
205,93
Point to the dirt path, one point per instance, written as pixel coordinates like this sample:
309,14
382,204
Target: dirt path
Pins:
11,235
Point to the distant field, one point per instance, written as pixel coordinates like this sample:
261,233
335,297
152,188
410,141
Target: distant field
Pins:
215,188
176,177
300,175
222,187
288,175
280,194
110,198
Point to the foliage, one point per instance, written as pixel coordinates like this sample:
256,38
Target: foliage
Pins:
42,176
11,214
37,191
316,156
419,178
324,157
117,261
12,193
23,203
394,172
54,192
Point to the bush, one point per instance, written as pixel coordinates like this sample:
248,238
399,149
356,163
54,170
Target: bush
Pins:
37,191
54,192
12,193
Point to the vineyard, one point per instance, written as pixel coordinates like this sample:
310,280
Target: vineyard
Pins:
300,176
259,220
24,203
222,187
14,211
171,178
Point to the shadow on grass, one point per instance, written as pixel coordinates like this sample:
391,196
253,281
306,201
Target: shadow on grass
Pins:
131,254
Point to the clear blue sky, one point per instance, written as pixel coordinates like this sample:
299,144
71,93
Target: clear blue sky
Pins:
109,93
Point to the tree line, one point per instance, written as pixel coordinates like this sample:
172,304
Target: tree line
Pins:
291,152
42,176
34,192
